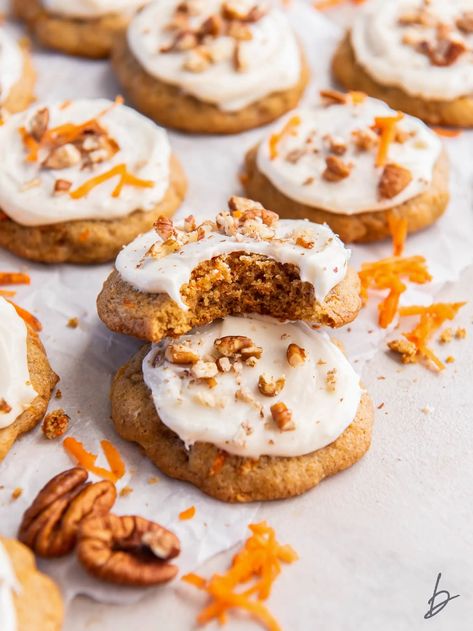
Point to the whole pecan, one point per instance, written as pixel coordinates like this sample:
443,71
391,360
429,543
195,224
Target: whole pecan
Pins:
49,526
127,550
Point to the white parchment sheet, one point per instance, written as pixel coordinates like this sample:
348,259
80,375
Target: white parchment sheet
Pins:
86,357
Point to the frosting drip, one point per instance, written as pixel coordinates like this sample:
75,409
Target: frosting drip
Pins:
8,584
240,64
322,393
92,8
11,64
153,265
297,167
28,184
16,391
426,49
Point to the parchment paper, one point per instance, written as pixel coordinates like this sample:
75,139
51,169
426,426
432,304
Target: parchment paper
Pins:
86,357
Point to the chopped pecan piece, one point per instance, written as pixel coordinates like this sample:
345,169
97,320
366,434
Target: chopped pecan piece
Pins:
239,62
55,424
332,97
269,386
127,550
247,210
204,370
39,124
49,526
331,380
164,227
295,355
198,60
336,169
4,407
62,186
465,22
365,139
282,416
63,157
394,180
335,145
234,346
180,354
442,52
407,350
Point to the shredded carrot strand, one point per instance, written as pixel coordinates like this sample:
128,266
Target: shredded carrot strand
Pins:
321,5
258,561
187,514
28,317
87,459
30,144
217,464
114,458
120,170
386,126
7,294
398,229
14,278
289,128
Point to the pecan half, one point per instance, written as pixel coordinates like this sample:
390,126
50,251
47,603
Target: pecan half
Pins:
394,180
336,169
49,526
127,550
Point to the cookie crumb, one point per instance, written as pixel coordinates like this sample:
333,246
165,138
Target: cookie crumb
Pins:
55,424
152,480
450,359
16,493
446,336
58,394
381,406
126,490
73,323
427,409
460,333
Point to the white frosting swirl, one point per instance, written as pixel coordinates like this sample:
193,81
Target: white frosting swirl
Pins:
8,584
92,8
377,39
301,179
244,425
271,57
11,64
26,188
15,385
323,266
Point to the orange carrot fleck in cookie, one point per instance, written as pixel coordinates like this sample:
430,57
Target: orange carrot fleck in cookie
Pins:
414,348
14,278
386,127
447,133
126,179
259,561
187,514
289,128
87,460
217,464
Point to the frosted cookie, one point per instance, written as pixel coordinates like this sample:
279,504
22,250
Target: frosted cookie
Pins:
174,278
83,178
247,409
26,378
77,27
211,67
417,55
29,599
353,163
17,75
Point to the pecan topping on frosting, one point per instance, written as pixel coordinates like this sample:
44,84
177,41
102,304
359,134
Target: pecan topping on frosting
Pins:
394,180
4,407
127,550
336,169
282,416
295,355
50,525
269,386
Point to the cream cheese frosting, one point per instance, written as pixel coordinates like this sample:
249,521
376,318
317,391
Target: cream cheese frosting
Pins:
123,138
297,167
322,393
152,265
92,8
392,45
231,69
11,64
16,391
8,585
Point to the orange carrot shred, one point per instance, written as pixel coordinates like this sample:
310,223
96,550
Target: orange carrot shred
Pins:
386,126
7,294
275,139
321,5
187,514
217,464
28,317
431,319
398,228
120,170
258,561
14,278
87,460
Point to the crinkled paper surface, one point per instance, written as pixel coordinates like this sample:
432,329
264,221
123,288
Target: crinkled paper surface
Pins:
86,357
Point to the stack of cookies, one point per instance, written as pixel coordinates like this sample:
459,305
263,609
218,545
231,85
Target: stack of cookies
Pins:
238,392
